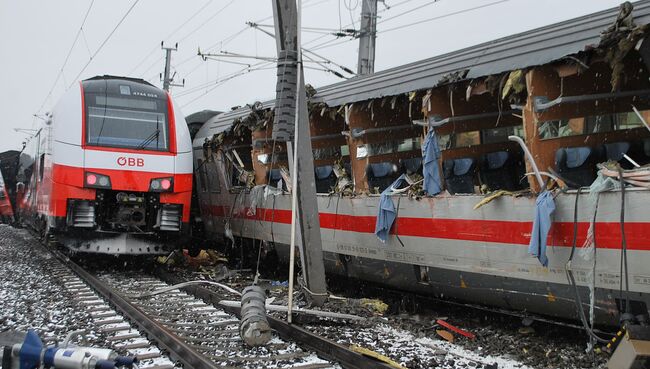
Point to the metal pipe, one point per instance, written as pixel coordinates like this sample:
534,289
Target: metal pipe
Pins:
541,103
529,156
436,120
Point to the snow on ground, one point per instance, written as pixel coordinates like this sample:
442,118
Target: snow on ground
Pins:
30,297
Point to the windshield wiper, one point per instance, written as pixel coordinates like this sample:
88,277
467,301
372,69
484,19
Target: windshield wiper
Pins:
153,136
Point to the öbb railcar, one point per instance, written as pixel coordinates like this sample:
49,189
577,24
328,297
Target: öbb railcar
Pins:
110,170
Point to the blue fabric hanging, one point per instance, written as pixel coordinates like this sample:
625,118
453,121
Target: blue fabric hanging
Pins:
387,213
430,155
544,207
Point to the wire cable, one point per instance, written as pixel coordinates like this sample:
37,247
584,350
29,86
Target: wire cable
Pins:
67,57
442,16
101,46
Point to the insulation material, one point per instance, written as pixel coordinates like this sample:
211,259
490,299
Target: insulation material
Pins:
618,40
515,84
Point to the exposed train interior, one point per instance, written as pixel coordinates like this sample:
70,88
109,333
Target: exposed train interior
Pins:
572,114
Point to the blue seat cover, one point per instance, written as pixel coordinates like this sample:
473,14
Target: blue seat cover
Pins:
462,166
616,150
323,171
497,159
576,156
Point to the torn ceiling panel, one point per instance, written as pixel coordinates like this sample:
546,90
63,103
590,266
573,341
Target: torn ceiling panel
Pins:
531,48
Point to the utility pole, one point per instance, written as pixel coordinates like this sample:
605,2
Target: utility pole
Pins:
167,79
291,116
367,36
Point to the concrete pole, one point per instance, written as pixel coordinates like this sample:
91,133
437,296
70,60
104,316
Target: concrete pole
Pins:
167,81
368,33
291,116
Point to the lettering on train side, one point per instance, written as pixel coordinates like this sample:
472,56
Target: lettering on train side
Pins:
405,257
125,161
641,279
356,249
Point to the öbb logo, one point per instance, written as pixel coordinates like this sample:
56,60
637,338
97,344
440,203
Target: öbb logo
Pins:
124,161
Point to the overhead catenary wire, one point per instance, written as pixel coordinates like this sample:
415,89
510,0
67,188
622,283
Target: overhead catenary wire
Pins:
67,57
442,16
101,46
153,50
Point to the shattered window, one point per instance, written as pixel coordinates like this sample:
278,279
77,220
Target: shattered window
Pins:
496,135
590,124
389,147
324,153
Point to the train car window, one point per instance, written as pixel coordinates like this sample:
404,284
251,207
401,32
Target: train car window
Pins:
388,147
587,125
496,135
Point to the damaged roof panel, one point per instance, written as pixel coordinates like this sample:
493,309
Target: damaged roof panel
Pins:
535,47
531,48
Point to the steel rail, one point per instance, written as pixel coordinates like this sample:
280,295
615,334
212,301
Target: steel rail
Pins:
178,350
324,347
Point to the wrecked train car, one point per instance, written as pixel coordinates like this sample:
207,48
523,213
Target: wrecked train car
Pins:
423,186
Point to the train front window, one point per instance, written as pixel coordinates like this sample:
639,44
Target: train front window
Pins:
131,123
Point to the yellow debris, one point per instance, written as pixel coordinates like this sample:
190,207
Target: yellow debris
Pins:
515,83
445,334
375,305
550,297
496,194
367,352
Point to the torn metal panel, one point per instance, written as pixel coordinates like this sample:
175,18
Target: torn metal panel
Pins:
536,47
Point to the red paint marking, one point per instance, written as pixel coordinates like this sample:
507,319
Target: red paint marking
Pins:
129,151
83,116
463,332
120,179
172,125
608,234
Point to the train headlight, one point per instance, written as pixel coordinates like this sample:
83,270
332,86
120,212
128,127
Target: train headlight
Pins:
161,184
95,180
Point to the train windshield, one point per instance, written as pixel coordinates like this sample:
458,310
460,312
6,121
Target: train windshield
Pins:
127,122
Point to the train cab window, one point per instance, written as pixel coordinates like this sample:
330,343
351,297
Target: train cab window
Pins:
126,122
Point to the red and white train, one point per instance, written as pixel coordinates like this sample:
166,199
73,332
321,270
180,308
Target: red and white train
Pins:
456,244
110,170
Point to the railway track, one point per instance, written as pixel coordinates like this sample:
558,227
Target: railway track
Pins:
186,329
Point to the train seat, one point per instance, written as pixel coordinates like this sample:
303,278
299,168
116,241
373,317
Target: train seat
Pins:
381,175
501,170
578,164
411,165
325,178
459,175
615,151
274,176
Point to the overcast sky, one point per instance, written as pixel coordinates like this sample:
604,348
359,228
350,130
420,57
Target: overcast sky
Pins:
38,34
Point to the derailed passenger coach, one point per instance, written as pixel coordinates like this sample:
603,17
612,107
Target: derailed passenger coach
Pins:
423,186
110,170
